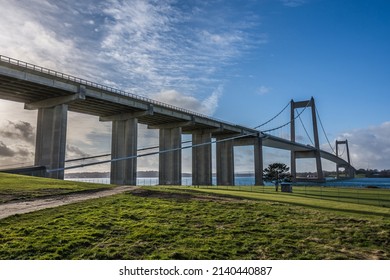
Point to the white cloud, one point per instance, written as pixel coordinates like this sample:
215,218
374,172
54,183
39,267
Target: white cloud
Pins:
17,130
74,152
263,90
206,107
142,46
210,104
161,46
369,147
177,99
23,34
293,3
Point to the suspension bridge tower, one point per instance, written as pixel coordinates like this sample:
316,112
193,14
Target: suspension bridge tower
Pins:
349,170
315,152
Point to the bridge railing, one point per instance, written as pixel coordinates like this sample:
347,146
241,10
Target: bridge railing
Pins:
75,79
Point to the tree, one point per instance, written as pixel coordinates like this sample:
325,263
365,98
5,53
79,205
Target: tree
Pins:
276,173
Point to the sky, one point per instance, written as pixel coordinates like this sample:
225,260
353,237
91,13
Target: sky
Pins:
238,61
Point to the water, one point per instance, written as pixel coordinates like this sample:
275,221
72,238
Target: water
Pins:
140,181
361,182
152,181
383,183
249,181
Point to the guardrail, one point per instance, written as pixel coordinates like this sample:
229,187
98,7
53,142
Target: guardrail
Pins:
71,78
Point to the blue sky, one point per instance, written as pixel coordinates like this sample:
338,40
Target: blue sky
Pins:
240,61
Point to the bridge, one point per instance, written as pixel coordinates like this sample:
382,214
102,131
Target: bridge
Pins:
53,94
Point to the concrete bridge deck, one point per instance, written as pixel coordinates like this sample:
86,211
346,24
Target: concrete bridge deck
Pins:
53,94
39,87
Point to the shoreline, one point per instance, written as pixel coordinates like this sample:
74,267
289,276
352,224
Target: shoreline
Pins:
381,183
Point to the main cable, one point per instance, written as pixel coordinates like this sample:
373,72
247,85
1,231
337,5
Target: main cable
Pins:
323,130
304,127
152,153
270,120
109,154
286,124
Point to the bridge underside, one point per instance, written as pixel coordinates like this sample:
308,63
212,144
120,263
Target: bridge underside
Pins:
53,94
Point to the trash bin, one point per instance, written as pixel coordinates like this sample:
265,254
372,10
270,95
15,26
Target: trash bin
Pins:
286,187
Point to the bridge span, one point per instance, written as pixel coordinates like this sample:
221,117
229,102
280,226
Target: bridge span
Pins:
54,93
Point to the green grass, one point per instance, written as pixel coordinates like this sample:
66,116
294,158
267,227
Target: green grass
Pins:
17,187
188,223
365,196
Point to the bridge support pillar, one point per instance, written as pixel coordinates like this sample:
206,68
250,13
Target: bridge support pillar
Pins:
349,171
170,161
316,151
124,144
257,144
201,159
50,145
258,147
225,163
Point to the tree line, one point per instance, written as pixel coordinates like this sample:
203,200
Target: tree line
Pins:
374,173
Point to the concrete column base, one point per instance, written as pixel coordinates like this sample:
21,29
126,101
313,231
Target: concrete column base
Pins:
201,160
258,161
170,161
124,144
293,166
50,144
225,163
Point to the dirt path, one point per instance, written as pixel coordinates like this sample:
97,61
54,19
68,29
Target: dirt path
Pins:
10,209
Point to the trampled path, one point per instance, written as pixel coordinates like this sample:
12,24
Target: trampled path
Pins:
10,209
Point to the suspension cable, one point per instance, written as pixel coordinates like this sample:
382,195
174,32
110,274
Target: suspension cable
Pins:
286,124
270,120
323,130
90,157
109,154
304,127
152,153
345,148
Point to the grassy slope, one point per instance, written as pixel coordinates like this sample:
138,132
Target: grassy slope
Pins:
363,196
169,223
17,187
327,201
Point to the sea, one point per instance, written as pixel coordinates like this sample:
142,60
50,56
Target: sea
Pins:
249,181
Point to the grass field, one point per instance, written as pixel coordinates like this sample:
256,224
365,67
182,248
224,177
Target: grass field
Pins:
191,223
365,196
16,187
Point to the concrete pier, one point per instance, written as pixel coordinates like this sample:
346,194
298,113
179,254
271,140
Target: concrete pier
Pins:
50,145
225,163
54,94
258,150
124,144
170,161
257,144
201,160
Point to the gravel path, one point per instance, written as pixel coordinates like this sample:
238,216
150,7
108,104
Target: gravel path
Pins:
10,209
